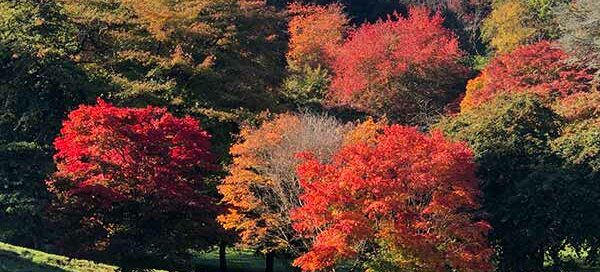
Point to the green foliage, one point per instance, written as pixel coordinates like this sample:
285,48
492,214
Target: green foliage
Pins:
579,142
307,86
38,83
187,55
218,60
537,203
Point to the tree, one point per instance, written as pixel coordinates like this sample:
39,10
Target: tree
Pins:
406,68
540,68
578,142
506,27
579,146
404,202
201,57
39,82
307,87
129,185
465,18
314,31
262,187
580,26
462,17
537,202
513,23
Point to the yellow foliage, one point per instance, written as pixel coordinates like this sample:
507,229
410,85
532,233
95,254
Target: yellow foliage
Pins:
365,132
473,86
507,27
250,216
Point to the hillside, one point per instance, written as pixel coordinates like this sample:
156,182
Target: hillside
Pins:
19,259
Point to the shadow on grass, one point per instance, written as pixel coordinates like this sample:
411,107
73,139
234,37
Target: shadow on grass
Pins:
13,262
238,261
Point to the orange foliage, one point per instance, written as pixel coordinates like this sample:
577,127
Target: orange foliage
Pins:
580,106
262,186
365,132
406,200
249,215
313,32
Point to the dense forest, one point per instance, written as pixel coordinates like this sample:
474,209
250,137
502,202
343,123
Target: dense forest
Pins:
342,135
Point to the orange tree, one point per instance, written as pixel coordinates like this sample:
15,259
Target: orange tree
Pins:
404,201
262,187
314,32
578,141
541,68
129,185
405,68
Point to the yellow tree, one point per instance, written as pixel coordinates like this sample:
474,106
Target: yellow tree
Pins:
517,22
506,27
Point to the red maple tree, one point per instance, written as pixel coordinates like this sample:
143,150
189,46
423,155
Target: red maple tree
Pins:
124,171
541,68
401,67
406,200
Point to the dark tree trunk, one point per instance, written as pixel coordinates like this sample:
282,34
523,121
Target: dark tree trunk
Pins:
222,257
270,262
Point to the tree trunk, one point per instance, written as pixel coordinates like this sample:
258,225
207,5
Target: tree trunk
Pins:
222,257
270,262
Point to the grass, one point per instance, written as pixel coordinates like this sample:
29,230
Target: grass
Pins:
238,261
20,259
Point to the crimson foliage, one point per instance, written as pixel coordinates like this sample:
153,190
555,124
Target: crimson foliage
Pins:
405,68
540,68
129,183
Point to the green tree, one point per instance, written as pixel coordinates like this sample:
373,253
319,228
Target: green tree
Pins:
536,201
189,55
39,82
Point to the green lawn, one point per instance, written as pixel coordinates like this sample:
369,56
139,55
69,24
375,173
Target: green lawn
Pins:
19,259
238,261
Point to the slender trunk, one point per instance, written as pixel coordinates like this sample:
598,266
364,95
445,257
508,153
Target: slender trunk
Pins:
222,257
537,262
270,262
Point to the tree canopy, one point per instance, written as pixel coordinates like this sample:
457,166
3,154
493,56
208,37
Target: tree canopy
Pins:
130,185
404,202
